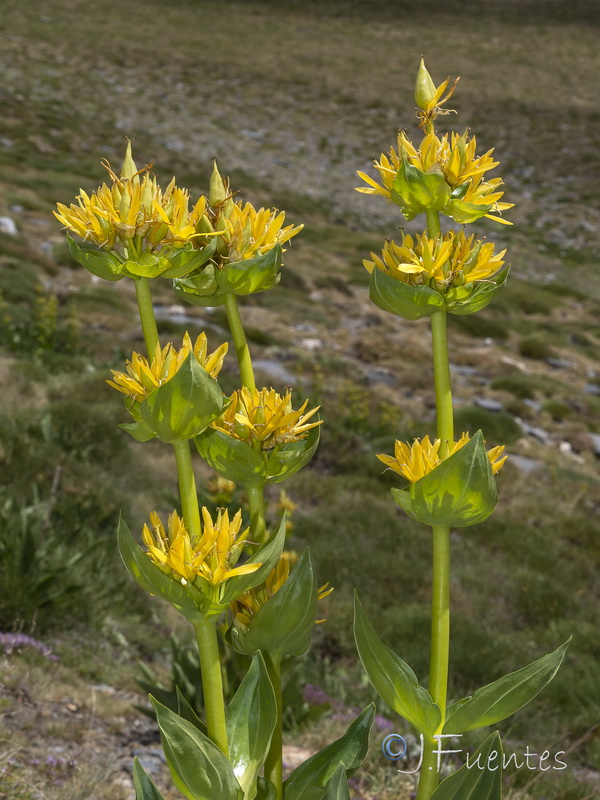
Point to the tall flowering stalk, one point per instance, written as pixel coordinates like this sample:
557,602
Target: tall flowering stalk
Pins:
209,567
447,482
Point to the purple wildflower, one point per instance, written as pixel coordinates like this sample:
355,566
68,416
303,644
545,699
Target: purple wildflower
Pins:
13,641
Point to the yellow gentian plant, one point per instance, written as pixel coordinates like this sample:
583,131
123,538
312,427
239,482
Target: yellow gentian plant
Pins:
212,566
446,482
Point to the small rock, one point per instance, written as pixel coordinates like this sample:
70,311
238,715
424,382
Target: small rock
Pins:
538,433
463,369
377,375
514,363
535,404
488,403
558,363
595,440
311,344
567,449
591,388
524,464
8,226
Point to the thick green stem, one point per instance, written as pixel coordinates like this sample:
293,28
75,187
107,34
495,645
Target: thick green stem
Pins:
147,318
443,388
212,682
240,342
187,488
258,526
273,762
440,595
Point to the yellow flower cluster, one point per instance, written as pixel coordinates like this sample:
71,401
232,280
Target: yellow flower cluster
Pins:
211,556
143,377
248,604
133,212
444,261
245,232
422,457
265,418
452,155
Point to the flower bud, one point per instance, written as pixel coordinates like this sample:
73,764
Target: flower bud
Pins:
217,191
129,169
425,90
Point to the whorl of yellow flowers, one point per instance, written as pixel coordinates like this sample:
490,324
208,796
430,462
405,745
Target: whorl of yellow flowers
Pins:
133,213
245,231
143,377
211,556
452,155
265,418
248,604
422,457
443,261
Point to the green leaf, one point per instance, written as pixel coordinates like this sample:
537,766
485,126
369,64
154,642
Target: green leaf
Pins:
187,259
199,769
315,773
402,299
265,790
144,786
100,263
479,779
267,556
481,295
184,405
465,213
152,580
185,710
251,718
418,191
287,459
283,626
502,698
337,789
252,274
393,680
232,458
460,492
146,265
138,430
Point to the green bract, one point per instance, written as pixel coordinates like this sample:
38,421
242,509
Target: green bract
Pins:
282,627
210,285
417,191
189,599
178,410
171,262
481,779
240,462
413,302
460,492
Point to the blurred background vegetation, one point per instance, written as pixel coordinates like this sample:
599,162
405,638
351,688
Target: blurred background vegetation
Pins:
293,97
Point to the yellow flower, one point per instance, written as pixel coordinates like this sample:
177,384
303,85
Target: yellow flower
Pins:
143,377
416,461
248,604
133,215
451,155
220,486
442,262
285,503
265,418
246,232
211,555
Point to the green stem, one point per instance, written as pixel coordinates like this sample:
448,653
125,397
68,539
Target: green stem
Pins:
443,387
212,682
274,759
440,595
240,342
147,318
187,488
258,526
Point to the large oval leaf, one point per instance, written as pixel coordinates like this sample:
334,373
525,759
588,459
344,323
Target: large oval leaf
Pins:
479,779
502,698
402,299
393,680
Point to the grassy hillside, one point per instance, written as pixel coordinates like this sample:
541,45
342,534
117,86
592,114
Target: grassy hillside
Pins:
293,98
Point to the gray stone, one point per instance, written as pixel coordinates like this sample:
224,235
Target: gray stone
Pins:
275,371
488,403
595,440
558,363
8,226
538,433
523,463
591,388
